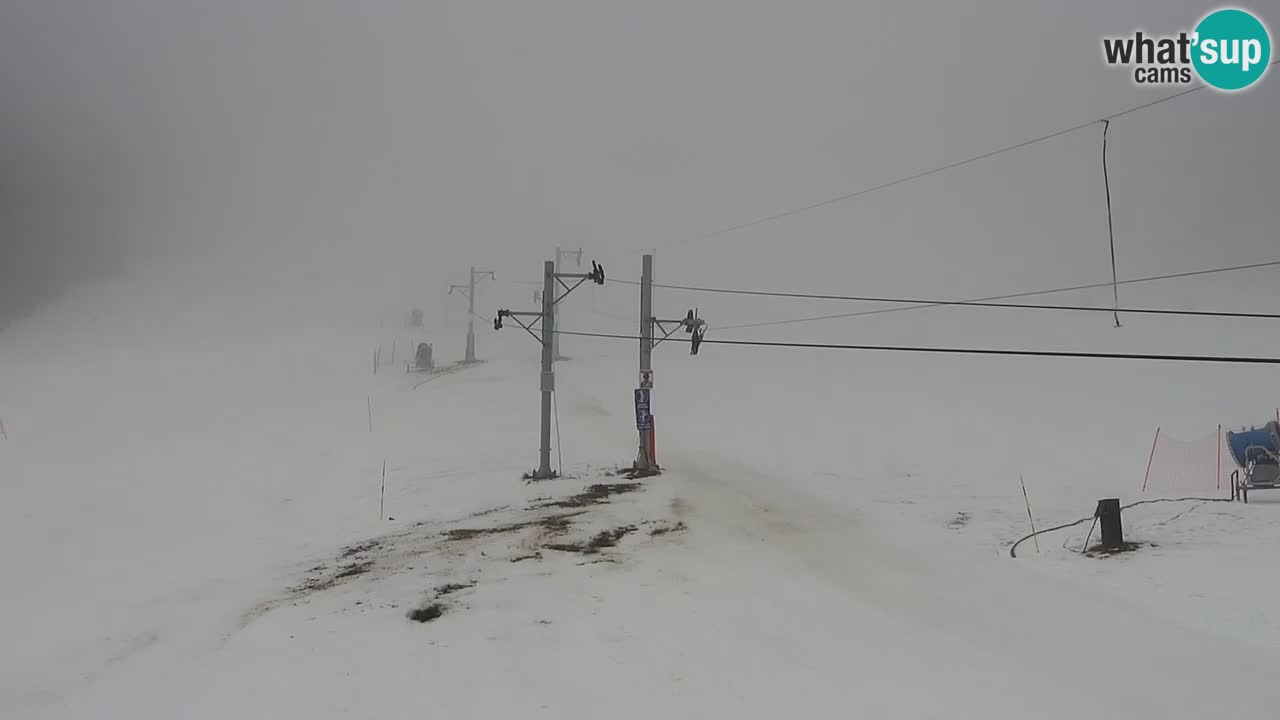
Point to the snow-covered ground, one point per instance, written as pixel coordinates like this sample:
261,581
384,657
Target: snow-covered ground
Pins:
192,520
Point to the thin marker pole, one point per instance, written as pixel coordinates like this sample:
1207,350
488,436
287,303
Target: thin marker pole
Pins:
1029,517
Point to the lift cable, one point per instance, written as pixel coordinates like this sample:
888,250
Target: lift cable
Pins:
1229,359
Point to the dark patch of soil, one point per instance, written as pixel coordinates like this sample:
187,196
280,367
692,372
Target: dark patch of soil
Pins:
601,541
316,583
453,588
358,568
592,495
557,524
427,613
469,533
599,560
360,548
610,538
1099,551
960,520
554,523
664,529
522,558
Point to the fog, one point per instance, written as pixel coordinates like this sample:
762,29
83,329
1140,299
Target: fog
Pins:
368,153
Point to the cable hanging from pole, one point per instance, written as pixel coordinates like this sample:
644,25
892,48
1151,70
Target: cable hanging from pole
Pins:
950,166
1111,233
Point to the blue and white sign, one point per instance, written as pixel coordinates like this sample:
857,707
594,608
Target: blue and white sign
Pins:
642,409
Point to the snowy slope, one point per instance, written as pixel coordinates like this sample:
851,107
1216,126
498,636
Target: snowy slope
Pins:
192,519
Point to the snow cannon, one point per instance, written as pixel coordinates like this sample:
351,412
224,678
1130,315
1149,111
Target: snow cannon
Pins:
1255,445
422,360
1257,453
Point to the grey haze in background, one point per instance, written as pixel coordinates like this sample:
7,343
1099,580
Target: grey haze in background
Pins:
370,152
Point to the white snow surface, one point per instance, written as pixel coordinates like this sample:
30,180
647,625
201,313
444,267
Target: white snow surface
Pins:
829,538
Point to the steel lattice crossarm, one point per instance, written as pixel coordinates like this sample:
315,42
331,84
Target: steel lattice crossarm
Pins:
596,275
466,290
692,325
528,327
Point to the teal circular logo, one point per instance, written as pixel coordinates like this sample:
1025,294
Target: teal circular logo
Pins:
1232,49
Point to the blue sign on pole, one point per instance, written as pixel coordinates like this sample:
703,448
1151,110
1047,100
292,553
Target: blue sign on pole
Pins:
642,409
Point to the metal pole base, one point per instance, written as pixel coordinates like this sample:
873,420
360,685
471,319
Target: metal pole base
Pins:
471,347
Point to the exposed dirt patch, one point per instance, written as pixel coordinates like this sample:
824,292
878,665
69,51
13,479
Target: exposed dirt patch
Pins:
545,523
453,588
665,529
318,581
592,495
1099,551
470,533
960,520
610,538
553,523
357,568
361,548
556,524
489,511
602,559
601,541
427,613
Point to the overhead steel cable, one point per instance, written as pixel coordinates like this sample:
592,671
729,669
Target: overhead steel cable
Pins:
1009,296
988,301
971,303
1219,359
950,166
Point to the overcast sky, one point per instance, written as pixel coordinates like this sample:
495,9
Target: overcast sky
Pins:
342,148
